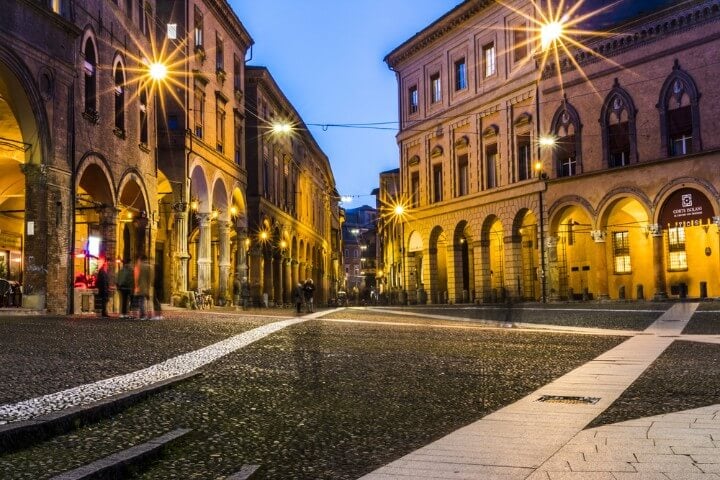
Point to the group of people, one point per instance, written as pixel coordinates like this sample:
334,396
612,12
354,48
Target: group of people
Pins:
132,281
303,295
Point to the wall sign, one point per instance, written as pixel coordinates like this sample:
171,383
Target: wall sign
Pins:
686,207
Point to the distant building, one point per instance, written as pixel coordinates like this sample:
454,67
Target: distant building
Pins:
293,205
359,251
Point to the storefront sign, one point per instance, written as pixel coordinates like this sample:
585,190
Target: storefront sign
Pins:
686,207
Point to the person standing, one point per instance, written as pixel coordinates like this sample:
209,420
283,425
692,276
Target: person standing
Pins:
299,297
125,284
309,292
142,275
102,283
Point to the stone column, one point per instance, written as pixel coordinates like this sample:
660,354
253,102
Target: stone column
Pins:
513,265
287,281
204,261
180,238
108,227
484,281
224,262
241,267
601,272
552,273
257,266
268,285
658,264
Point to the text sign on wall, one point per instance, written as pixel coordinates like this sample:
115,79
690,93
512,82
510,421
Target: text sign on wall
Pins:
685,208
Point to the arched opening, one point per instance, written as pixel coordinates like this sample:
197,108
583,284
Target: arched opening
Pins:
94,221
199,232
526,232
462,258
629,266
438,266
416,272
493,254
574,255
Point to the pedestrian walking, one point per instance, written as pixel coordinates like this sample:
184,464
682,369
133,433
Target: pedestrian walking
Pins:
299,297
102,283
125,282
142,275
309,292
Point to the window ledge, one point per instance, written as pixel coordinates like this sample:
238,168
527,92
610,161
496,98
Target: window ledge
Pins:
144,147
119,133
91,116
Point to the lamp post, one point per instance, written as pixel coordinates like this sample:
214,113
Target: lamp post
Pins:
399,212
545,142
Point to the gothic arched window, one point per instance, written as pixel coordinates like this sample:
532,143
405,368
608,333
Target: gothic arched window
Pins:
90,76
617,122
679,114
566,128
119,98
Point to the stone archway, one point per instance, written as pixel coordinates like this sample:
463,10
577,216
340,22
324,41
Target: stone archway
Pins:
438,266
492,244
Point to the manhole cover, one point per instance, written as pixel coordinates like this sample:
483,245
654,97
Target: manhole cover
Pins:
568,400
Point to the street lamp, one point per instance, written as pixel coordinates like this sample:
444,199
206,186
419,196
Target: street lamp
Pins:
545,142
398,212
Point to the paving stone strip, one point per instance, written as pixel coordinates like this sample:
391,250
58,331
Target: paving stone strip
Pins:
119,464
513,442
180,365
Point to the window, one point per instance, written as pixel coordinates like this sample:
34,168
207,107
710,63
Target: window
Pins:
119,99
146,21
413,99
437,183
199,111
566,156
129,9
520,43
460,75
220,125
57,6
677,260
680,130
415,189
618,128
238,140
237,78
491,156
489,59
347,253
173,122
621,252
90,76
198,28
462,180
356,254
565,129
524,163
435,88
172,31
143,117
219,54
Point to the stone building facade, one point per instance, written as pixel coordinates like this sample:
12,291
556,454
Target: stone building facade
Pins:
294,216
598,215
468,121
633,192
77,157
202,173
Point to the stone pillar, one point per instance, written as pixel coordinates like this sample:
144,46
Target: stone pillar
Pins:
35,253
485,280
513,265
257,266
601,272
268,285
108,231
279,278
224,262
180,238
241,267
552,272
204,261
287,281
658,263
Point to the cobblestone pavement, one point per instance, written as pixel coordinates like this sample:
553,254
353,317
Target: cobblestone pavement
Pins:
336,399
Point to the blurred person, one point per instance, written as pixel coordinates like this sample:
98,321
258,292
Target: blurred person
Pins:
125,282
309,293
143,279
102,283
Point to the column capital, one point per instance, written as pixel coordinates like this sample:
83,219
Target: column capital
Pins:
203,219
655,229
551,242
598,236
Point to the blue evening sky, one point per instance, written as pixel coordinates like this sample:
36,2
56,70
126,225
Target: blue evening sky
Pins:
327,57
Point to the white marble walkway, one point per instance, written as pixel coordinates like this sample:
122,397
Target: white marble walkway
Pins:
516,441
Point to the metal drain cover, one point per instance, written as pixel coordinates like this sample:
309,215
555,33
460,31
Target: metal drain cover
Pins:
568,399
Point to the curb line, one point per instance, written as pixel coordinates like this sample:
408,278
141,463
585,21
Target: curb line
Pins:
21,434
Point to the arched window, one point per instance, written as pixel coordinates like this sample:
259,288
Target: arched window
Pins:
567,129
90,76
143,117
679,114
119,99
617,122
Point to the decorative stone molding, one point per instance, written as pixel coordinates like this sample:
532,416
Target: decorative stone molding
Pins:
655,229
598,236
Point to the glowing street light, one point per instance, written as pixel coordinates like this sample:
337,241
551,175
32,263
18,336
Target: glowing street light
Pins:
550,33
158,71
399,210
281,128
547,141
